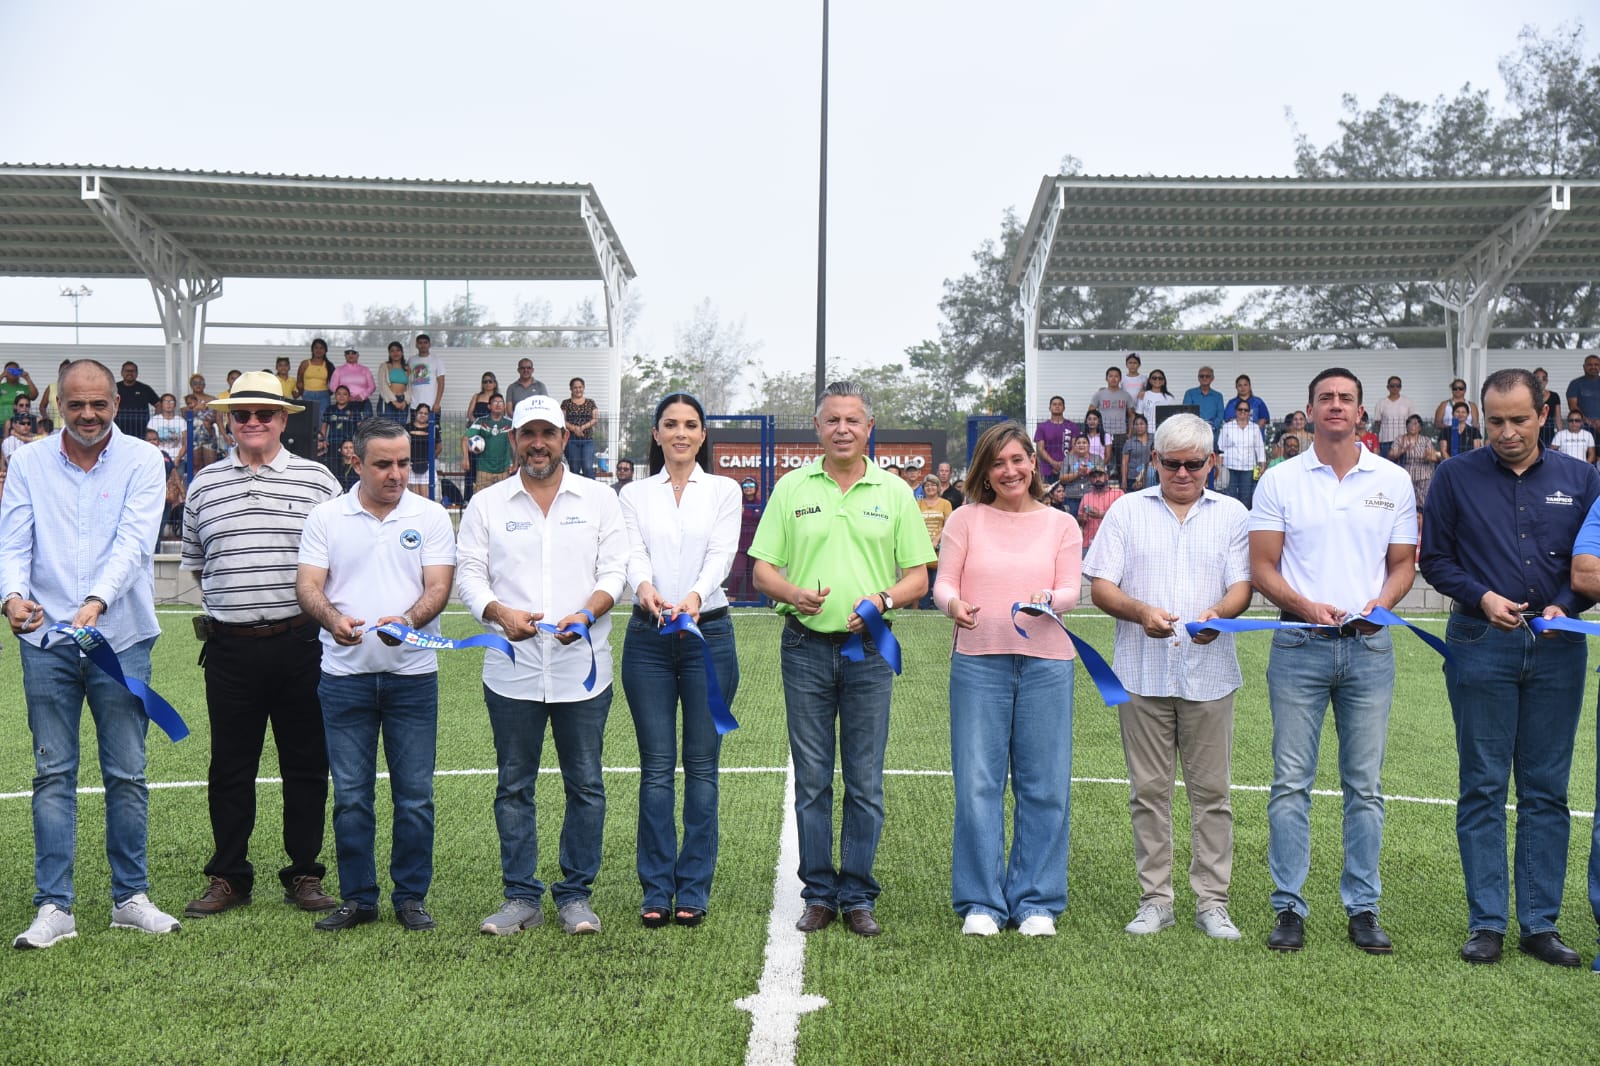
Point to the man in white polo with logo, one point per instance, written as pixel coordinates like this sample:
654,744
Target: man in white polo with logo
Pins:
374,555
1333,534
545,546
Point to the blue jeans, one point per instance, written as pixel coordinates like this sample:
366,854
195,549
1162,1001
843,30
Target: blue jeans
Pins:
657,672
1241,486
824,691
1305,672
580,456
1010,712
579,729
56,682
1516,700
405,708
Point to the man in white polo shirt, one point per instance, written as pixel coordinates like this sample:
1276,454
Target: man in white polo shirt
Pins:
374,555
1332,535
545,546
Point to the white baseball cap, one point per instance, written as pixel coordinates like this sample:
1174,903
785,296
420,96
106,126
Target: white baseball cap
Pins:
538,409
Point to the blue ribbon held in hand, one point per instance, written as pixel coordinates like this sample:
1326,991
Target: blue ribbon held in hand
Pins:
1105,679
1378,616
94,646
581,630
1562,624
854,648
417,640
721,714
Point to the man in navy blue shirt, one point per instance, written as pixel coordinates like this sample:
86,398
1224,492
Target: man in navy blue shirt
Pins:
1583,395
1497,536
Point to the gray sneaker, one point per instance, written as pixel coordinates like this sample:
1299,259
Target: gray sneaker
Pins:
577,917
1151,918
514,916
137,912
52,926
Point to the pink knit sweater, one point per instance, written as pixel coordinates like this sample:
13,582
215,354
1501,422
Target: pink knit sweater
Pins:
995,558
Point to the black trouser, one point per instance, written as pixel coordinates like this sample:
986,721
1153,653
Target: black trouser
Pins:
250,682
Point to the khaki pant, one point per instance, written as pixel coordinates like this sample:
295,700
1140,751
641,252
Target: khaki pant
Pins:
486,479
1155,731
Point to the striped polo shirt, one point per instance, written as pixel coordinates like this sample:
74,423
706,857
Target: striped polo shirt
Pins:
241,530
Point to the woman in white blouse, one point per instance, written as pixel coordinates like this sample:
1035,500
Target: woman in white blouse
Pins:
1153,395
683,530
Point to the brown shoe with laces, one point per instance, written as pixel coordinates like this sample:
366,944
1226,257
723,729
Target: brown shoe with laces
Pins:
306,893
219,896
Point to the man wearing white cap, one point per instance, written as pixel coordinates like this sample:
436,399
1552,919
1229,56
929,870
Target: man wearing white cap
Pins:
545,546
241,531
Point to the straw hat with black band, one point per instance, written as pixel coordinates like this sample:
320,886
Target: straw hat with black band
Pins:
254,389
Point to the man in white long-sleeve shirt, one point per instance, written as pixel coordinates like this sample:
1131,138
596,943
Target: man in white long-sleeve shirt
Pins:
541,545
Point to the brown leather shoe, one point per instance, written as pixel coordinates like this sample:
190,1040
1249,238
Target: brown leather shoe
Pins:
861,922
306,893
219,896
815,917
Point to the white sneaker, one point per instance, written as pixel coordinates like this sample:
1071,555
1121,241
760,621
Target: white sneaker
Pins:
52,926
1216,923
1150,918
137,912
1038,925
979,925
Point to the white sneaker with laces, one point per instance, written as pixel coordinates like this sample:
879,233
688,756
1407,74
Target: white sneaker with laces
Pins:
137,912
51,926
1038,925
979,925
1216,923
1150,918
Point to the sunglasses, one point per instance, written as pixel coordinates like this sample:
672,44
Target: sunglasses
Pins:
1458,388
1194,466
243,417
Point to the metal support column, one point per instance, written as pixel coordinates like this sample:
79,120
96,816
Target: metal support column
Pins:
1030,294
616,285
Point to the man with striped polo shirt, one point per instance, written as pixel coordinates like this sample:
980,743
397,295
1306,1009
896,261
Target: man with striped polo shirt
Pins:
262,657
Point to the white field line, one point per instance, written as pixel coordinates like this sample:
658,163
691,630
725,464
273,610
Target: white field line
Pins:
1434,801
780,997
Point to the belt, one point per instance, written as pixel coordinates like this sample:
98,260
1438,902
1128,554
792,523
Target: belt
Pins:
705,616
1472,610
1347,630
260,629
832,638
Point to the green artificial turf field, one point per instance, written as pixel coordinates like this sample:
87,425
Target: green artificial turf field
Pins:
258,984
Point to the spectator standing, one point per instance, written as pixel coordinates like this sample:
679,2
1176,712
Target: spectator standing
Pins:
1115,404
1154,396
1516,698
313,376
367,558
545,545
1444,414
135,400
23,423
1206,400
624,476
1076,473
1391,413
582,417
339,423
15,382
1095,503
739,586
952,493
682,527
347,471
1101,443
1243,395
1575,440
526,385
494,429
1010,696
935,513
427,375
1415,451
1295,426
1289,448
1132,380
1176,551
827,533
172,431
1551,409
285,379
478,406
1244,455
357,378
1364,435
1583,394
78,524
393,408
1052,437
396,373
420,431
1332,535
1136,456
241,532
50,400
1463,436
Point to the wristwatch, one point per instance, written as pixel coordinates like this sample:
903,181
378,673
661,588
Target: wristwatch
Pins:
87,600
888,601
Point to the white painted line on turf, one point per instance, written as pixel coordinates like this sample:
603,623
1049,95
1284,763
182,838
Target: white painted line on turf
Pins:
1432,801
780,998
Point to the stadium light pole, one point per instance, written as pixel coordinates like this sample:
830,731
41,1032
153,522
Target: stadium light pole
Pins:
76,296
822,223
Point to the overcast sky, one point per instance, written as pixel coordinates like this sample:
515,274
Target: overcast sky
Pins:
696,122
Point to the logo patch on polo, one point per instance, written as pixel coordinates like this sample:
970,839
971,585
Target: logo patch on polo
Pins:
1379,500
411,540
518,527
877,513
1560,499
801,511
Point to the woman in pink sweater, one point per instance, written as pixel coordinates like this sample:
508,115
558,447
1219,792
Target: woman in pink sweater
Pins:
1010,697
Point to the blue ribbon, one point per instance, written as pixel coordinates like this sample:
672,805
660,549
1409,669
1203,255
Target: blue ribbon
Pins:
721,715
417,640
1105,679
94,646
582,631
855,649
1379,616
1563,624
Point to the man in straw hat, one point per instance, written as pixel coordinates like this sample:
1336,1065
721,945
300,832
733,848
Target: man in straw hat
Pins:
262,657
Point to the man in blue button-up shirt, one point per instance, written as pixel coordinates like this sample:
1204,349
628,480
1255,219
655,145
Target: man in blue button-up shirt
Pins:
78,525
1497,537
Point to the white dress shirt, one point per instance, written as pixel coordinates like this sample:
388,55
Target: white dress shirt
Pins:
1241,446
682,546
509,551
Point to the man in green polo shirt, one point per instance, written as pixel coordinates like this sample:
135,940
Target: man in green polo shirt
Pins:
841,531
494,462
